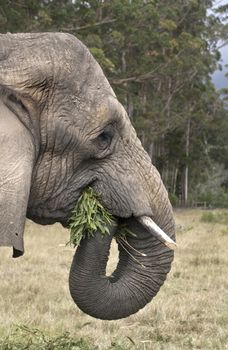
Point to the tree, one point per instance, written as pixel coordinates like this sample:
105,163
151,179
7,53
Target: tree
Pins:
159,56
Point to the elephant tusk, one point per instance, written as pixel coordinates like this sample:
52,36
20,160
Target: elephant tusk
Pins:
155,230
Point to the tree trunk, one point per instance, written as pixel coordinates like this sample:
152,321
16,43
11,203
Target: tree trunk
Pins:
175,179
186,169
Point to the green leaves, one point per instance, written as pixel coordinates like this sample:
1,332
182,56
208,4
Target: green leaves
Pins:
88,217
101,58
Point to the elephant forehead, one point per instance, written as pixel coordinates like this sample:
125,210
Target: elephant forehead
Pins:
99,112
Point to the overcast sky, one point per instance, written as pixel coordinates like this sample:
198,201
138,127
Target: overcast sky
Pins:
219,78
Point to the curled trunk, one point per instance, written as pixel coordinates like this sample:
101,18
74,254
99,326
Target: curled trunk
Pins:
133,284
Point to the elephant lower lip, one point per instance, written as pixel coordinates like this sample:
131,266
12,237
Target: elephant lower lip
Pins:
17,253
64,223
42,220
44,216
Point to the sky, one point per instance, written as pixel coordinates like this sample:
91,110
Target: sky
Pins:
218,77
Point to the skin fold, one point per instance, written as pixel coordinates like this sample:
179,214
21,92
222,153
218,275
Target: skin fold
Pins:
62,129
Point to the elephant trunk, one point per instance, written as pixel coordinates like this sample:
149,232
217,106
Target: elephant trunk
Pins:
143,264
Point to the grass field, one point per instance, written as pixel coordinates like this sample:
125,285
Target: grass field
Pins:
190,312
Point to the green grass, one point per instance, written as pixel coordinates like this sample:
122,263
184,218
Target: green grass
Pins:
27,338
23,338
190,312
216,216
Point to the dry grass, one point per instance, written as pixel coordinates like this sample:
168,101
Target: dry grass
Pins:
190,312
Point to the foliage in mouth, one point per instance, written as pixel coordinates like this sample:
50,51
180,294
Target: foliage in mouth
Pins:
90,216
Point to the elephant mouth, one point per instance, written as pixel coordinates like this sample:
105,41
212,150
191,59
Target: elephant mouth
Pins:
146,222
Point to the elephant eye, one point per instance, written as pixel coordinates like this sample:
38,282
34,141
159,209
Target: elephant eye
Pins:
104,139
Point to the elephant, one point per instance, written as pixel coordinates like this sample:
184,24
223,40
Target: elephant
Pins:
62,129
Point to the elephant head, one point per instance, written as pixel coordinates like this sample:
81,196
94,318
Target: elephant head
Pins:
62,129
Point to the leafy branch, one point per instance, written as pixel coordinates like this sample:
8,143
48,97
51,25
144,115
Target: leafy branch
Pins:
88,217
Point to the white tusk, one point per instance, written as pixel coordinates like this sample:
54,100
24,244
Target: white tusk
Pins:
155,230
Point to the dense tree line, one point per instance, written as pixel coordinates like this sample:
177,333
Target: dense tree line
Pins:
159,56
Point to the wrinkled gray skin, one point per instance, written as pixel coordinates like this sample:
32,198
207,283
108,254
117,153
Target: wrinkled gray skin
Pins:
62,129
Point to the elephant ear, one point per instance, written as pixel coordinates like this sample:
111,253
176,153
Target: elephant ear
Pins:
17,142
25,64
16,164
